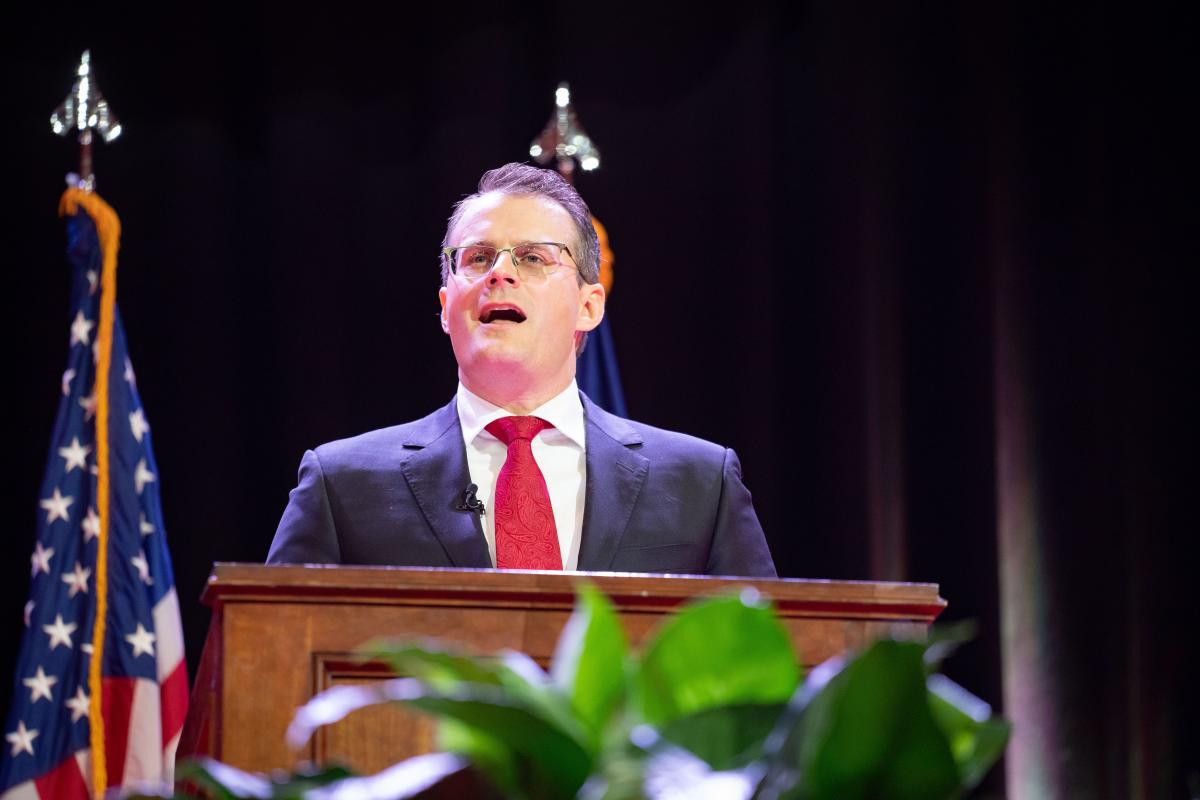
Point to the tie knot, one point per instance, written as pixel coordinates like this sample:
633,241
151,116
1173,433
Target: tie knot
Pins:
510,429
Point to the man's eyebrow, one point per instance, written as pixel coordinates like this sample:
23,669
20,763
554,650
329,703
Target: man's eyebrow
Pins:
491,243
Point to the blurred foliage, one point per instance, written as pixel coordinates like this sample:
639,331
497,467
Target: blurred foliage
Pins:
712,706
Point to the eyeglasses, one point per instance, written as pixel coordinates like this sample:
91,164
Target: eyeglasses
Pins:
534,260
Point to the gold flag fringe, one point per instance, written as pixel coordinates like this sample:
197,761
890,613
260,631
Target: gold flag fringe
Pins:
108,228
606,256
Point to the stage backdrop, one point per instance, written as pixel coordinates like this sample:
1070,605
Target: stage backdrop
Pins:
917,265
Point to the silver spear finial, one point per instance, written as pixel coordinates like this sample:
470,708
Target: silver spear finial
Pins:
85,110
564,139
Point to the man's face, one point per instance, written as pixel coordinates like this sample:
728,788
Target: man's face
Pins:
504,327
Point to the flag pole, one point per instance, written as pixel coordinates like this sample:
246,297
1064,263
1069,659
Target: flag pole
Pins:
84,109
130,660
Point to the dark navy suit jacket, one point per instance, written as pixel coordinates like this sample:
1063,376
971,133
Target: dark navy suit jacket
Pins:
655,501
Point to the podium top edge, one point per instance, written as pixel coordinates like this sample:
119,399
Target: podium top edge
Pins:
245,582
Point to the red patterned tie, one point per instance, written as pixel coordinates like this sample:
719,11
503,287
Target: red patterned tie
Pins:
526,537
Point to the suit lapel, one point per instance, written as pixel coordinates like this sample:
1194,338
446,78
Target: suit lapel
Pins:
616,473
436,472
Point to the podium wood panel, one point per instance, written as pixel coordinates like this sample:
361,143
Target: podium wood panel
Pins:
280,634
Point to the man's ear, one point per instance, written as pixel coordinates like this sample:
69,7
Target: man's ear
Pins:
591,306
442,315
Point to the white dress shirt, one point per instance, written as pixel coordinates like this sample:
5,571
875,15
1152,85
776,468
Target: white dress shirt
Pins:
558,451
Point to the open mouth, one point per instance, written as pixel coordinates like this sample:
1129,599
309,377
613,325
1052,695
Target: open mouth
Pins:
501,314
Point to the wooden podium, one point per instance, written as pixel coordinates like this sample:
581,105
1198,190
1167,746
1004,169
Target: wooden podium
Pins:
281,634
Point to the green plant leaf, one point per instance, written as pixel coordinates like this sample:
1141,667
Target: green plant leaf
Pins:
945,638
976,737
548,761
490,755
725,737
230,783
336,702
549,748
589,661
432,661
223,781
439,774
619,774
720,651
405,779
521,677
447,668
868,732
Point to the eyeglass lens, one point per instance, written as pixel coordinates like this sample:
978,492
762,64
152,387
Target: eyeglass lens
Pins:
475,260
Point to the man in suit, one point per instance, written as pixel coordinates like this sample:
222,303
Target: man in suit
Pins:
520,469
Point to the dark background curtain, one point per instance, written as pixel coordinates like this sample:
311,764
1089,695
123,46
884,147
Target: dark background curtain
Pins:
920,265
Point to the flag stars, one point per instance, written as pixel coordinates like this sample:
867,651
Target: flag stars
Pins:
144,525
56,506
67,377
143,567
142,641
29,606
138,424
90,525
93,279
81,329
142,475
130,378
77,580
88,404
40,685
79,705
75,454
21,739
60,632
41,559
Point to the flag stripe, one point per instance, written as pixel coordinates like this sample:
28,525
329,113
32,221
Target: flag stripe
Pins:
83,760
174,704
22,791
64,781
143,759
118,708
169,750
168,647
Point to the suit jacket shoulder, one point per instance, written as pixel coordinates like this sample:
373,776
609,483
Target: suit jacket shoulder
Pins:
662,501
382,448
630,432
384,497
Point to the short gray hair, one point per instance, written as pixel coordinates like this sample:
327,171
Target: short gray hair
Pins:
523,179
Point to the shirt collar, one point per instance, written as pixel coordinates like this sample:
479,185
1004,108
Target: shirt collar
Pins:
564,411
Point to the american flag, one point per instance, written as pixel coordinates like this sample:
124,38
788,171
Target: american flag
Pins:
140,673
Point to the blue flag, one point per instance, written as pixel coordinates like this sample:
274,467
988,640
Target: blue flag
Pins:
597,372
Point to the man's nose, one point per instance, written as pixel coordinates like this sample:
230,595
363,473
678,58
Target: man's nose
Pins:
504,269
